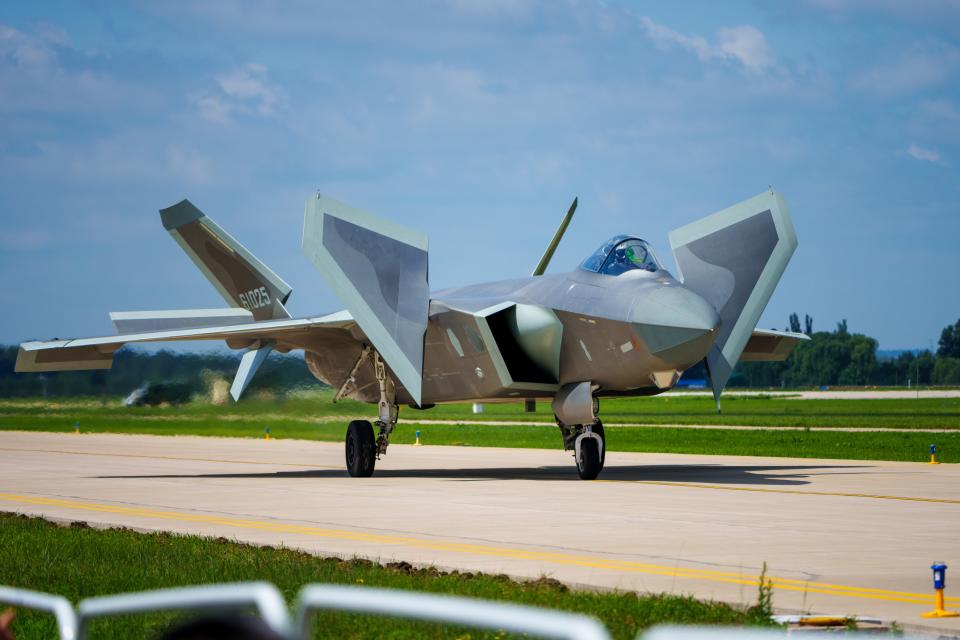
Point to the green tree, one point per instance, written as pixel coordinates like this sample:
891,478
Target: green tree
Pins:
949,345
794,323
946,371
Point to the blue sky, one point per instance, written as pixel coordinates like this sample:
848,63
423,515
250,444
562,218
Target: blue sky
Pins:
478,122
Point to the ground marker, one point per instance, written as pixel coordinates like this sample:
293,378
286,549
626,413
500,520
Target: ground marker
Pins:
939,583
266,433
933,454
417,443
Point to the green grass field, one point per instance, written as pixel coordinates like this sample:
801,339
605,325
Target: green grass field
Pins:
79,562
313,416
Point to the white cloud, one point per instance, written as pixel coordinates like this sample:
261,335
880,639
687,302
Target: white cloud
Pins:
744,44
34,80
245,90
189,164
25,51
912,71
665,37
214,109
927,155
748,45
492,7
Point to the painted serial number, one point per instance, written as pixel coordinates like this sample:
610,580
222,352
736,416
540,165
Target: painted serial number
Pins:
255,299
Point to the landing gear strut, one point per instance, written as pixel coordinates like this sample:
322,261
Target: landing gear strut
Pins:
362,448
577,413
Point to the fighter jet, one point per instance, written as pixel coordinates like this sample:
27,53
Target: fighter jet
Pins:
619,324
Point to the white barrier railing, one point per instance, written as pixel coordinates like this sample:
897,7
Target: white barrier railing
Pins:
270,606
262,596
466,612
267,601
59,606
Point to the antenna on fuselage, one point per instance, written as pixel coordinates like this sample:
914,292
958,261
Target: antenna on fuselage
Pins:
548,254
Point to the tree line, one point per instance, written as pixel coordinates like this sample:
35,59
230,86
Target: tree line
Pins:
133,368
842,358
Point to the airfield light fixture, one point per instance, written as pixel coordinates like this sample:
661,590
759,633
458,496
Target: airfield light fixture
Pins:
939,584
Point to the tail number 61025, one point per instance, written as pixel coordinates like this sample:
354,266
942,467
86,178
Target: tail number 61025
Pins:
255,299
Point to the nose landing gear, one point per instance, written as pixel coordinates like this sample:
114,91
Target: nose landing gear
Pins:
577,411
589,446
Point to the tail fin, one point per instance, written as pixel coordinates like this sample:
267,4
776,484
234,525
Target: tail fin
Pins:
378,269
734,260
236,273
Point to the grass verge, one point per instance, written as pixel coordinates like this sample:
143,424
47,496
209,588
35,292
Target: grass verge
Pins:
310,407
79,562
874,445
314,417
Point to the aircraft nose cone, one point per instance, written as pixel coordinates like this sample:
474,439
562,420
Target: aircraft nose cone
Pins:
675,306
675,323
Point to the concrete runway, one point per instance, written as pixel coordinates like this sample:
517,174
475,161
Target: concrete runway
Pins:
838,537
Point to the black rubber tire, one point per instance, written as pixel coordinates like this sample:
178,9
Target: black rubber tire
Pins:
588,464
360,449
598,429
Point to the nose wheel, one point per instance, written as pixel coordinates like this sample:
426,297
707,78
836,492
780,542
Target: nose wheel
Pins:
590,450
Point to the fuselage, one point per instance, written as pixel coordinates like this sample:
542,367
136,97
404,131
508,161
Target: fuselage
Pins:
629,334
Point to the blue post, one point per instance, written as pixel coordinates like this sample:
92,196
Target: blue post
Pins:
939,575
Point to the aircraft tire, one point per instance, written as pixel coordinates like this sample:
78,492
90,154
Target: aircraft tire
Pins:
598,429
589,464
360,449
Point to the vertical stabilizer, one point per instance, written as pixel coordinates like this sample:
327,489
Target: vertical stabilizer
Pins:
378,269
237,274
734,260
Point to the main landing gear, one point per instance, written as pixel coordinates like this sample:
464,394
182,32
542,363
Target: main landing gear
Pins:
577,413
362,449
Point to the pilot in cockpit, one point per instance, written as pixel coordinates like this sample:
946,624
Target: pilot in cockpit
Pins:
621,254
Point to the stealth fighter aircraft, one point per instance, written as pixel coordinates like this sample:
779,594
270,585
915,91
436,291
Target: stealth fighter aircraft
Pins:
619,324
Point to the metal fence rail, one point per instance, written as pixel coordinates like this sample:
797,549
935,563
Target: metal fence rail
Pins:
270,606
59,606
267,601
262,596
467,612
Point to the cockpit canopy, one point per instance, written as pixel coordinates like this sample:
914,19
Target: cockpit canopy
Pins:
620,254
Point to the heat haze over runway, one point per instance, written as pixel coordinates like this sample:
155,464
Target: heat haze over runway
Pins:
838,537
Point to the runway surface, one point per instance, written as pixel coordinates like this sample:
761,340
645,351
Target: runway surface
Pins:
838,537
851,394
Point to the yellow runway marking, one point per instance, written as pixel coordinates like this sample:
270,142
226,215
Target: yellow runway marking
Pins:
872,496
597,562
